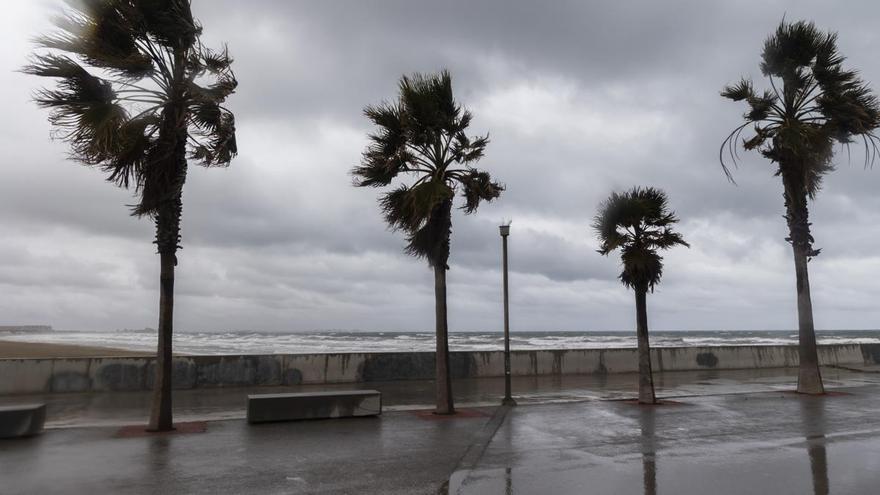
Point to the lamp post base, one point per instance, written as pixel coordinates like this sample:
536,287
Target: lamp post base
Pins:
508,401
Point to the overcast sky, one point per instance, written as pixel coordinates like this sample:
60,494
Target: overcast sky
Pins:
580,99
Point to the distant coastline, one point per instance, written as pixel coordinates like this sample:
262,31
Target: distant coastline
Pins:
25,328
142,341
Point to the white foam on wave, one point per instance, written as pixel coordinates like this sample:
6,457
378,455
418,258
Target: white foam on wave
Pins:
256,342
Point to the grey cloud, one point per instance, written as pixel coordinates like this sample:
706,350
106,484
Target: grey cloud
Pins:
580,98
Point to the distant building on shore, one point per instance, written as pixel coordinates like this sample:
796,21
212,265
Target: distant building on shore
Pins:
25,328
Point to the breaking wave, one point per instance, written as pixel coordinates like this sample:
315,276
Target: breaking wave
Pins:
258,342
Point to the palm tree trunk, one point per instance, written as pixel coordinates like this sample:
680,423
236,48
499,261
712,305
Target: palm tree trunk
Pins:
797,217
167,239
442,373
167,192
809,377
646,379
167,242
160,415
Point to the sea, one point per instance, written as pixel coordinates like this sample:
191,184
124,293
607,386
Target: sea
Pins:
261,342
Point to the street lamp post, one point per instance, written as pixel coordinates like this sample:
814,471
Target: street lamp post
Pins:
508,399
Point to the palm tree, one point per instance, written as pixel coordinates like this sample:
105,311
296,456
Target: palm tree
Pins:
422,134
812,104
639,223
138,95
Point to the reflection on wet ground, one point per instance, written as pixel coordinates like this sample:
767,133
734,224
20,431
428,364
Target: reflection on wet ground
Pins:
119,408
780,443
724,433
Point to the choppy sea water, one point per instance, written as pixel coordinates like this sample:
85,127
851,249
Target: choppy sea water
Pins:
255,342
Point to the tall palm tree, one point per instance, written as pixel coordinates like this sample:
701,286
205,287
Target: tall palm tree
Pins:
812,104
639,223
422,134
138,95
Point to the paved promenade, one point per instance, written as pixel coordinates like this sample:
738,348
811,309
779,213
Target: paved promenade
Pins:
723,433
125,408
766,443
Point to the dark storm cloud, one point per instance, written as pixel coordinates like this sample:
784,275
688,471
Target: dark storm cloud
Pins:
580,98
349,52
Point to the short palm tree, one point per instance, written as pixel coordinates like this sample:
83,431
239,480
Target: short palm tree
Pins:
422,134
639,223
812,104
138,95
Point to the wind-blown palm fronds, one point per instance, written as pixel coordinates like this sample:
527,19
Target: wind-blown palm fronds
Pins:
812,103
639,223
423,135
137,96
149,70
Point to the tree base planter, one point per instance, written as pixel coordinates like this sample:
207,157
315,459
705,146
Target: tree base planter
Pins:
22,421
660,402
264,408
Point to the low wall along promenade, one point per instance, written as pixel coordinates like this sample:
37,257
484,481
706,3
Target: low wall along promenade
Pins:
22,376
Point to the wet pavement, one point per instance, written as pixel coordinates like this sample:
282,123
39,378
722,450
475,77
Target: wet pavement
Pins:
123,408
722,433
397,453
775,443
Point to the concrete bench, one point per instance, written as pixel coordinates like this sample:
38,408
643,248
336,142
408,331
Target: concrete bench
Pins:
22,421
262,408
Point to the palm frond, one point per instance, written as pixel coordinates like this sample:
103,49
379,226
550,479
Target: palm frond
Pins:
478,186
739,91
214,140
761,107
159,100
129,160
429,105
666,239
216,62
409,208
169,22
642,268
83,108
387,155
215,93
793,45
818,104
423,133
466,149
99,33
431,240
639,223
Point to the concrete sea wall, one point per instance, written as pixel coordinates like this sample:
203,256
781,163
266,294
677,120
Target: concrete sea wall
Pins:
21,376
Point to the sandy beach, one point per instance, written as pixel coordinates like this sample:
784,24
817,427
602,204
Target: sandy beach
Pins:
42,350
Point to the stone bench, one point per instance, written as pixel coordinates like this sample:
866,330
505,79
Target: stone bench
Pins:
263,408
22,420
